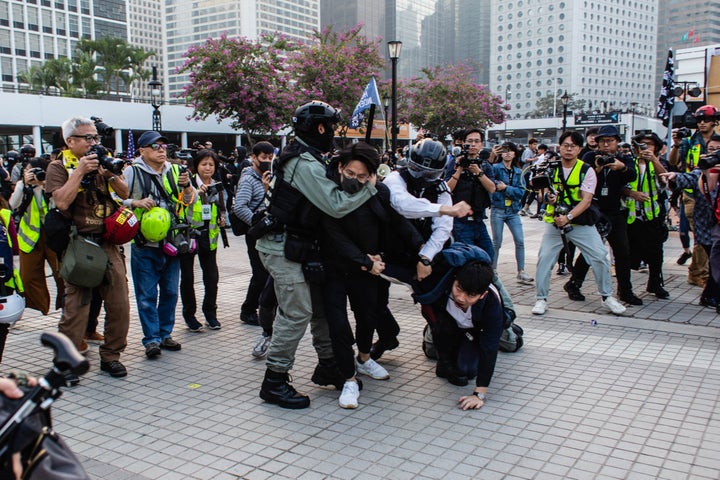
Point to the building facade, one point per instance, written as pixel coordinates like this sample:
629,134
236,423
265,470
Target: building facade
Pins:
603,51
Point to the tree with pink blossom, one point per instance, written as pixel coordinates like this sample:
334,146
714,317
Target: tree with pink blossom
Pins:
449,99
242,80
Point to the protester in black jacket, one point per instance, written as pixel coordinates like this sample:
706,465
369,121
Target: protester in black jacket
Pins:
356,249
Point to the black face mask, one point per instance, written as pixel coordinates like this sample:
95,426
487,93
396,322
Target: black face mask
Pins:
264,166
350,185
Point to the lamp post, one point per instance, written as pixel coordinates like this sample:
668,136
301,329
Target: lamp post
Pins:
155,100
386,106
565,98
632,118
507,94
394,48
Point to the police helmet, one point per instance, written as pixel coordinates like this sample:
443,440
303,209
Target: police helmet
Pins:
308,116
27,150
427,160
155,224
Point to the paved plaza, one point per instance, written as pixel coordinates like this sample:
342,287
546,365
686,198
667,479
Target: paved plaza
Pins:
632,397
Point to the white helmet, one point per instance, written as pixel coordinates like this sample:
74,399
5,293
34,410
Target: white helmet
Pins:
11,308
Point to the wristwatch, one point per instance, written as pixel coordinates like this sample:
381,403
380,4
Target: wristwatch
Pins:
425,261
481,174
569,217
480,395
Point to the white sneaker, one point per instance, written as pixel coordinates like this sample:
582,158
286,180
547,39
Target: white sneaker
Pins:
613,305
540,307
372,369
349,396
524,278
261,346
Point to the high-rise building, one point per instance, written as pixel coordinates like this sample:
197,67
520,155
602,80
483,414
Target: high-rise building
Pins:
34,31
603,51
685,24
433,32
191,22
146,30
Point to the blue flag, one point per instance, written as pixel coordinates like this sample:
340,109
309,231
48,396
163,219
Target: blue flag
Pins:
370,96
130,154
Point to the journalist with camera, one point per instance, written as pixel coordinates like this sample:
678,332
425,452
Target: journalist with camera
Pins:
702,183
29,205
88,206
472,180
162,197
613,170
573,185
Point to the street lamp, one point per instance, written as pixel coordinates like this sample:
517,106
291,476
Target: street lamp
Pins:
632,118
507,93
394,48
386,106
565,98
155,100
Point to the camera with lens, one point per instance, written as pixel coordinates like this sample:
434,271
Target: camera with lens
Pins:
563,209
39,174
684,132
710,160
541,175
102,128
604,160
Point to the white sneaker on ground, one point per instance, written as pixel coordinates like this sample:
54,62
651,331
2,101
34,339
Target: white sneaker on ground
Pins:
613,305
524,278
261,346
540,307
372,369
349,396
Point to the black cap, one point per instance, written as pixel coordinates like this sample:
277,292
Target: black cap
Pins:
608,131
148,138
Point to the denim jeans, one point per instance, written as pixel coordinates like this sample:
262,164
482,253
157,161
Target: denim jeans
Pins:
499,217
152,270
473,232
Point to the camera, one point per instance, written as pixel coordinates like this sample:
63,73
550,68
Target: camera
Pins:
563,209
214,189
39,174
604,160
102,128
268,223
541,175
684,132
709,160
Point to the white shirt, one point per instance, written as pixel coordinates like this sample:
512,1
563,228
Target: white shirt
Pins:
463,319
411,207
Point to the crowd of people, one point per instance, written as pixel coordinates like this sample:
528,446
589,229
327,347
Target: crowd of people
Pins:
324,227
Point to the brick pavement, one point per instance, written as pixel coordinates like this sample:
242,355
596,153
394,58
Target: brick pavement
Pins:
633,397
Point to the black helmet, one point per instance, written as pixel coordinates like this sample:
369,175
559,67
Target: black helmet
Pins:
12,156
308,116
427,160
27,150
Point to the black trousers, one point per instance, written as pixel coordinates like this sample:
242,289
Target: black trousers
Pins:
258,280
618,240
363,291
211,276
645,245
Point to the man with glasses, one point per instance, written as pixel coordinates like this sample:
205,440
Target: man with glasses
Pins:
79,186
613,171
155,182
575,182
685,155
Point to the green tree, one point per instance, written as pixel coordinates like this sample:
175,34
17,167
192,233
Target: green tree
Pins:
335,68
549,104
37,77
449,99
118,62
83,72
241,80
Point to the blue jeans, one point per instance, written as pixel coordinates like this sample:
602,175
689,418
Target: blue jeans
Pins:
151,269
473,232
499,217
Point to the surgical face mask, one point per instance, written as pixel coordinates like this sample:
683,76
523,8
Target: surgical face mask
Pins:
351,185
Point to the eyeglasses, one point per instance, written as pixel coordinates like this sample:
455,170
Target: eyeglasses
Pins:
158,146
568,145
473,140
88,138
362,177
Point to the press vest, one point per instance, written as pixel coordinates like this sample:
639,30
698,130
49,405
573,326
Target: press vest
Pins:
571,196
197,221
31,224
15,281
651,208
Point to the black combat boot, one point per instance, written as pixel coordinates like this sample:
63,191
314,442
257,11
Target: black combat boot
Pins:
327,373
277,389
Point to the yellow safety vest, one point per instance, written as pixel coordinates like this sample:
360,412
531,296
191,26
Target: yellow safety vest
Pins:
572,196
31,224
15,281
651,208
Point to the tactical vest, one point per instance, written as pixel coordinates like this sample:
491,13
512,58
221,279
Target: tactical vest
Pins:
651,208
571,196
428,191
472,192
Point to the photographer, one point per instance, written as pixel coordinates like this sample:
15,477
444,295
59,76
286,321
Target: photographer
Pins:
702,182
79,185
472,181
29,205
613,171
27,153
573,183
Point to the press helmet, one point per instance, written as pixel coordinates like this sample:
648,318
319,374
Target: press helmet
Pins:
11,308
27,150
121,226
706,111
306,119
155,224
427,160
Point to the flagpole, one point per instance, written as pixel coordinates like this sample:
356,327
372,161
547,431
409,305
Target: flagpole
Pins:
371,119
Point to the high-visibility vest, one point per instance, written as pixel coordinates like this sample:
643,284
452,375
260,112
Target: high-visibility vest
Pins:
14,281
571,196
651,208
30,224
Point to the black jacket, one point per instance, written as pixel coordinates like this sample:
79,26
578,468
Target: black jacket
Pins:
373,228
